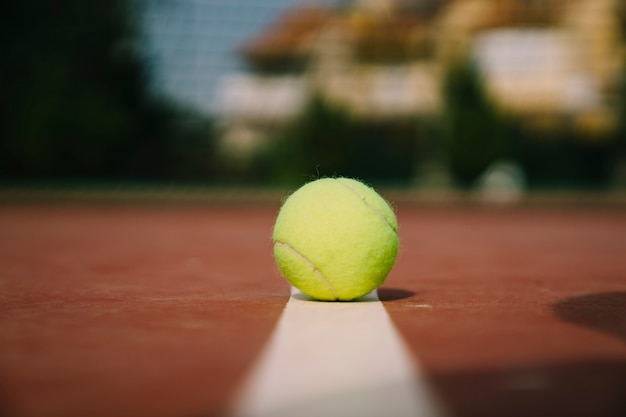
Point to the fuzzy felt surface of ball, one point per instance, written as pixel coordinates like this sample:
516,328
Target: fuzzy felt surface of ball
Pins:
335,239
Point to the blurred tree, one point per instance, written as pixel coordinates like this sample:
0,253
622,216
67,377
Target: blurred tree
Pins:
74,95
472,126
327,141
562,159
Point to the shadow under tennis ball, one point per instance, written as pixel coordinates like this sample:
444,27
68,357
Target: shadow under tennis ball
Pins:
393,294
384,294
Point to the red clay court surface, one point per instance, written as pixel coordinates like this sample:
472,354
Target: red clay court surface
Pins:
144,310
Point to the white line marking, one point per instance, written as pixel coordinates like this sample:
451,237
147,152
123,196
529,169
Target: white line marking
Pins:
330,359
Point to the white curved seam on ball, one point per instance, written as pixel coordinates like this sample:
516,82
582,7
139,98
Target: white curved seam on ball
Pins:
362,198
311,265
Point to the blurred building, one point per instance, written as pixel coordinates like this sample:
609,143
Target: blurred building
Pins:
552,63
275,89
373,58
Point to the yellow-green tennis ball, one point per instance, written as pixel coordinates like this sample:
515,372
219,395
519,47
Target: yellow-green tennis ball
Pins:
335,239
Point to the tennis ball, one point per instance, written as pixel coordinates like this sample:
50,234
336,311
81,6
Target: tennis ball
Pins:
335,239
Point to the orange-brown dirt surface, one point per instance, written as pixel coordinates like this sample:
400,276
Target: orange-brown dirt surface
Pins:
147,310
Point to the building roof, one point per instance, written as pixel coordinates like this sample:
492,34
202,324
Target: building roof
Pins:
289,35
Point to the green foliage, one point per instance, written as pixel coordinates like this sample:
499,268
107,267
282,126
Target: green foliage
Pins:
621,103
473,128
74,98
191,154
476,134
326,141
563,158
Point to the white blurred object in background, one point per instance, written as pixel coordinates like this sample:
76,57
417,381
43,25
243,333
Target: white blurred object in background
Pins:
503,182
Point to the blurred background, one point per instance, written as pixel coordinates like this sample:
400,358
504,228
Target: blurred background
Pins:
507,95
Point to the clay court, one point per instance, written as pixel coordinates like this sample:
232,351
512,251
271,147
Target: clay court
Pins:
112,309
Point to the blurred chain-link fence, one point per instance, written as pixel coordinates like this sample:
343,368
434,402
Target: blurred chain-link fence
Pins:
485,94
